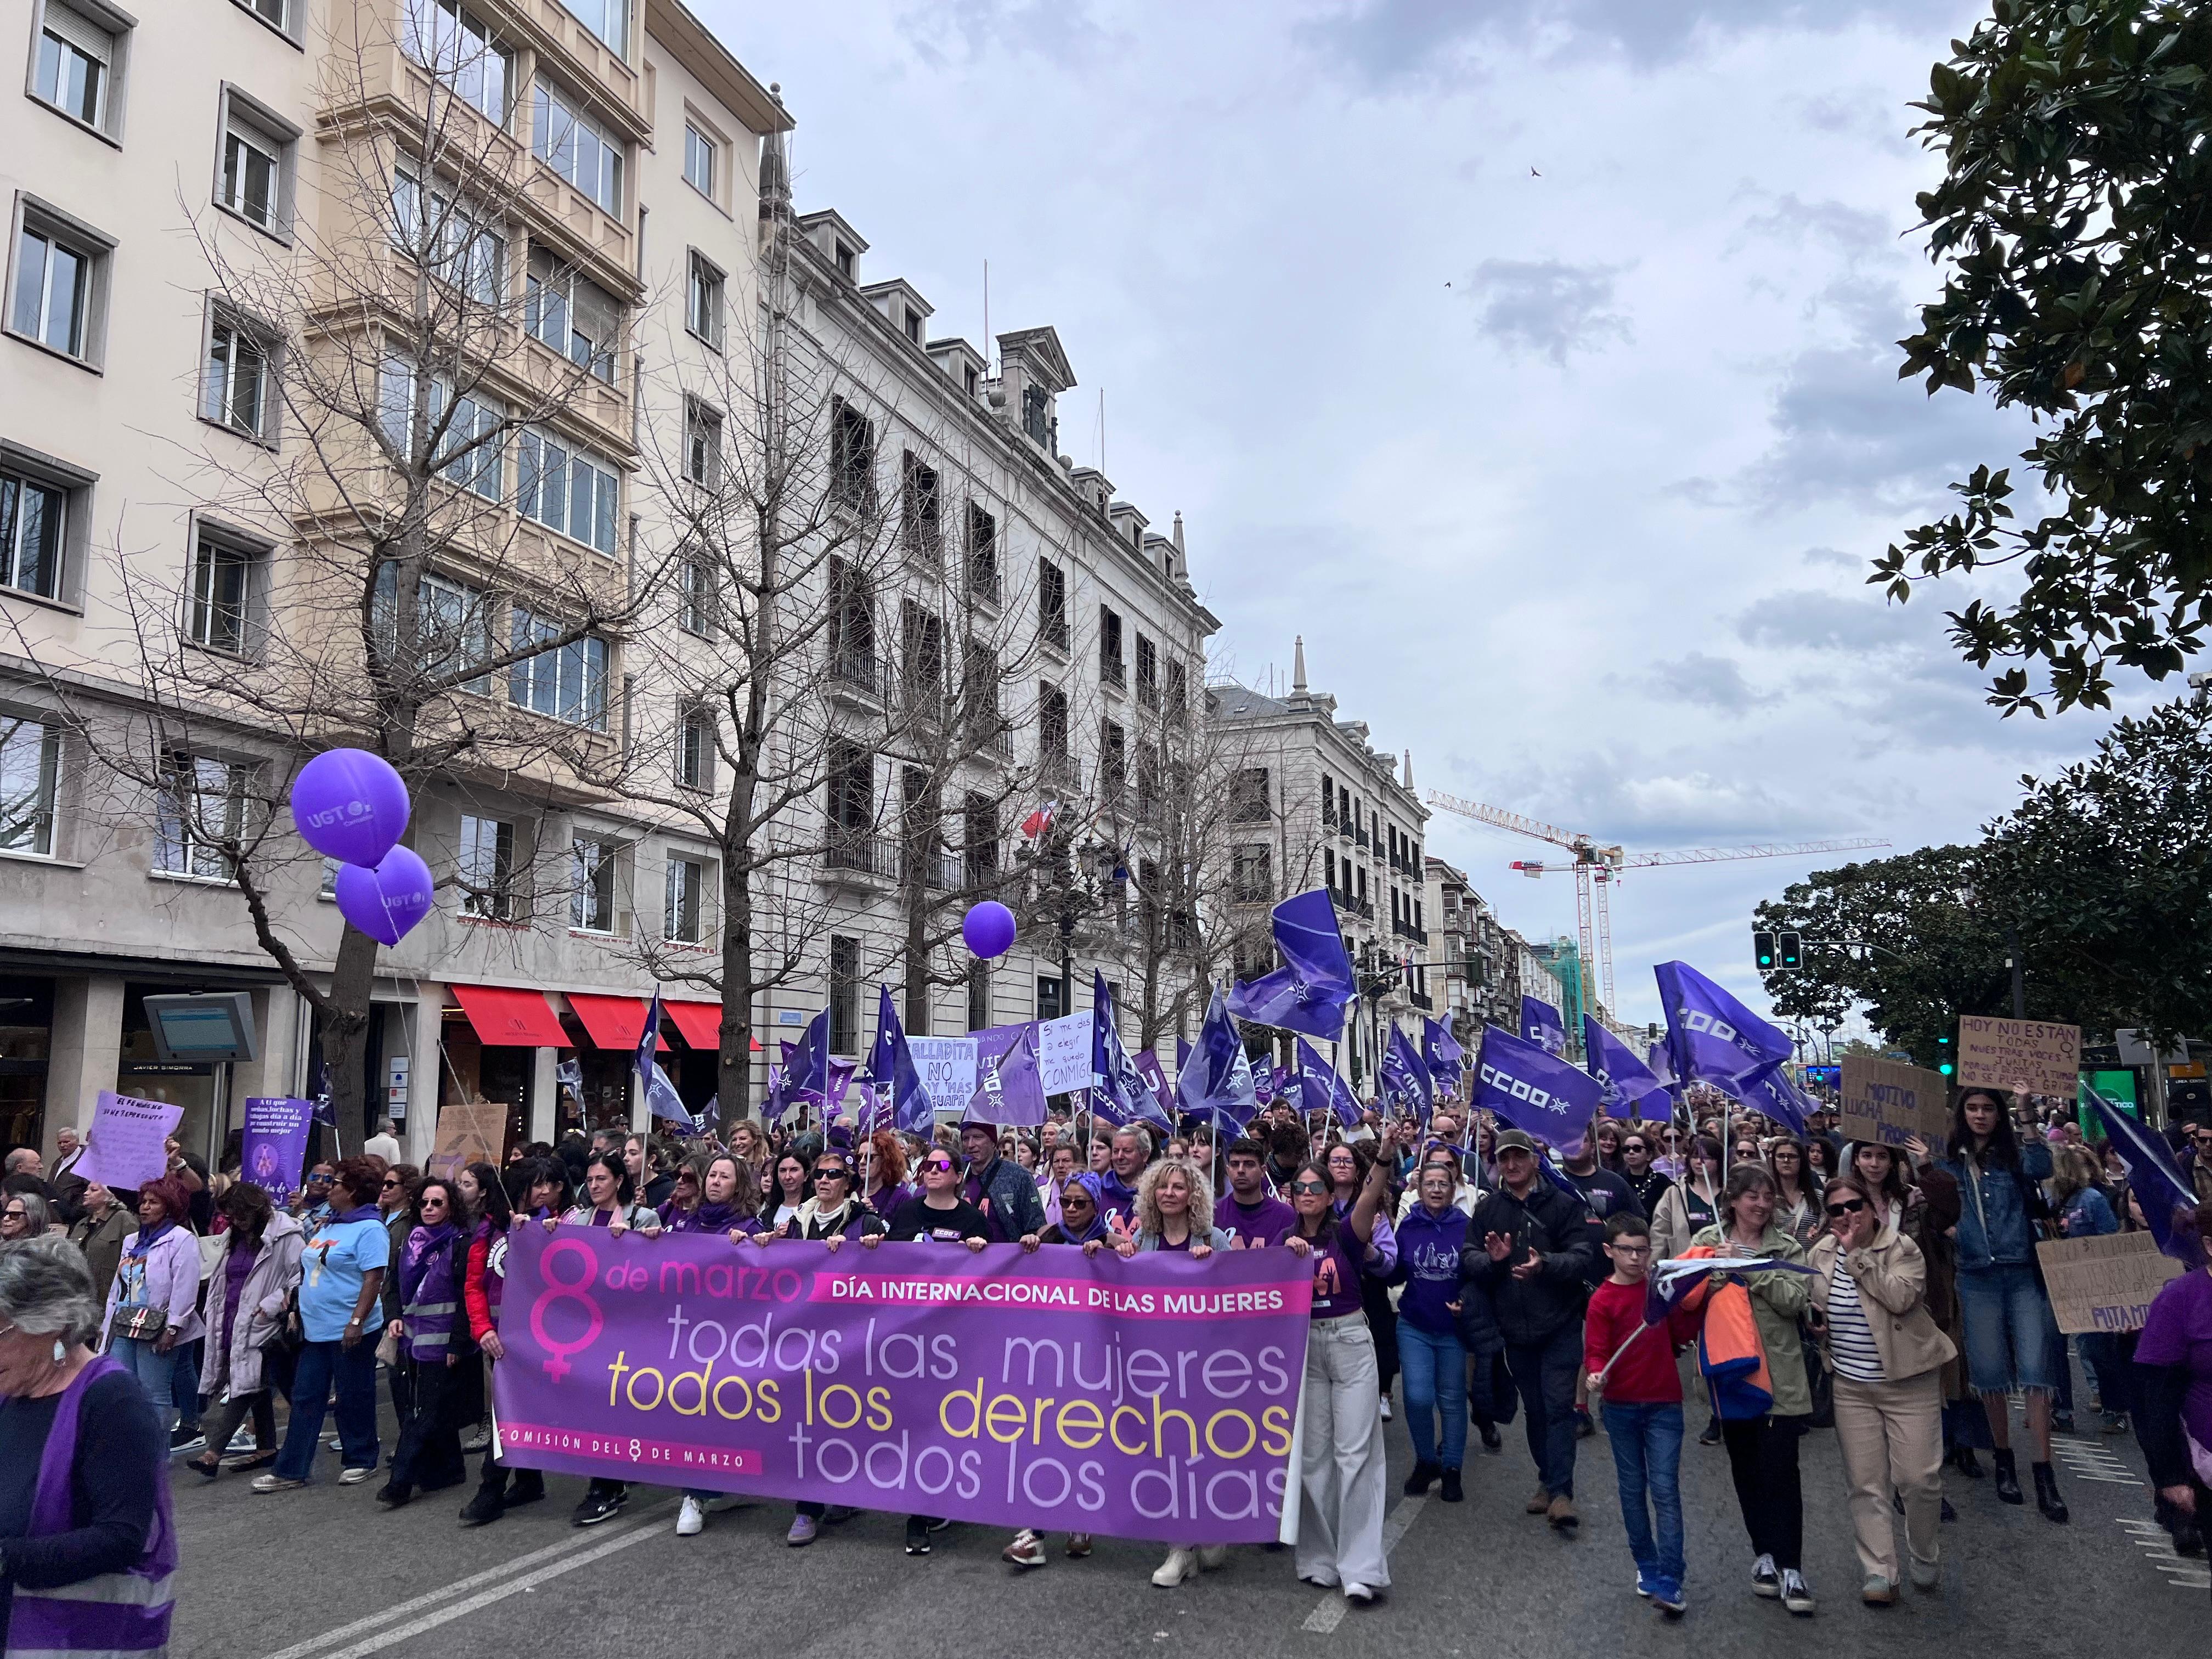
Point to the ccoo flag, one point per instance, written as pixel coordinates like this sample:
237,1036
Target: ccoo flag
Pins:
1215,1085
1771,1093
1540,1024
1630,1089
1119,1092
2155,1180
1534,1090
1446,1058
1710,1036
1312,990
892,1074
1320,1089
1405,1079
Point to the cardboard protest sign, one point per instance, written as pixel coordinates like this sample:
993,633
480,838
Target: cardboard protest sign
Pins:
2028,1056
1064,1053
125,1146
469,1132
2104,1284
1886,1103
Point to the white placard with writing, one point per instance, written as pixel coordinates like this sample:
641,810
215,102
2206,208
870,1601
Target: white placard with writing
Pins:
1064,1053
947,1065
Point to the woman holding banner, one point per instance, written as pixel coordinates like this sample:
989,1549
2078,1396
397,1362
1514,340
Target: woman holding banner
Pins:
483,1281
609,1202
2012,1341
1342,1484
1174,1212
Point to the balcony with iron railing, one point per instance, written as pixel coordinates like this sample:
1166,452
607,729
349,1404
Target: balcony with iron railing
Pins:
1412,930
1114,672
987,734
1052,631
1421,999
1365,908
859,674
856,854
937,870
1359,836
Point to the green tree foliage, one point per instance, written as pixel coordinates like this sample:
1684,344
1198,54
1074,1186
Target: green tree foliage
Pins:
2104,870
2072,226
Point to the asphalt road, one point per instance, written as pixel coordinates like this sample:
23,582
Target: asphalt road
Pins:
326,1573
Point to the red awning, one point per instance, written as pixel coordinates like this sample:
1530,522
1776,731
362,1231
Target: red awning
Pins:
612,1022
509,1018
700,1023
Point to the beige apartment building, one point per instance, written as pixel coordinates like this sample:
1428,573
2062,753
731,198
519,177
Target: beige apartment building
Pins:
177,491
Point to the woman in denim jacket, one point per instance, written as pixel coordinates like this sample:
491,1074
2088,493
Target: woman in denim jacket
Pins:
2012,1341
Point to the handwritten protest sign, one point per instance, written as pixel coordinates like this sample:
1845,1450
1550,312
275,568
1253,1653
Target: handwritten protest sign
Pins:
947,1068
2032,1056
469,1132
2104,1284
1887,1103
1064,1053
125,1148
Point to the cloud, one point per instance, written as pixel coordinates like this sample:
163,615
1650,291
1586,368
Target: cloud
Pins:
1061,32
1806,618
1834,558
1547,307
1713,682
1384,42
1798,221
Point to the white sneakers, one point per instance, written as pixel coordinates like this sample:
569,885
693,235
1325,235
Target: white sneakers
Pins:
1386,1408
691,1518
1179,1565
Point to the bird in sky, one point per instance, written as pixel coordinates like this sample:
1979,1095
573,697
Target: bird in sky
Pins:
1533,173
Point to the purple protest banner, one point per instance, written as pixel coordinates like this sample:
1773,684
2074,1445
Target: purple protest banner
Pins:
275,1149
1148,1397
126,1146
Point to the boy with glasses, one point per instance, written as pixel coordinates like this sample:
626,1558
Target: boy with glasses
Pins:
1631,1366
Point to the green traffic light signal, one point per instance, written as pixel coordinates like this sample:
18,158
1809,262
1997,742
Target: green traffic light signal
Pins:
1762,950
1943,1055
1945,1068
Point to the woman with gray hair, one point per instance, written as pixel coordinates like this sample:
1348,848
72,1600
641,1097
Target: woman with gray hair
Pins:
87,1549
23,1215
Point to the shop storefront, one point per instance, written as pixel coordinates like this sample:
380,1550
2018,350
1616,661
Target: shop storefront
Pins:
27,1018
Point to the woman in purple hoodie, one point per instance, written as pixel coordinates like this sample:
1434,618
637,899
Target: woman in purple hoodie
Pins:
433,1343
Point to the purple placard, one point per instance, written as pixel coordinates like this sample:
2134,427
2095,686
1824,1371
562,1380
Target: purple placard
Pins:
276,1146
126,1145
1150,1397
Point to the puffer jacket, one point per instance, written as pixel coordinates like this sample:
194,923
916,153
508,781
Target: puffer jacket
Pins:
261,1305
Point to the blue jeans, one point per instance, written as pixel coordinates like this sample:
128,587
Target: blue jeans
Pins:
156,1374
1647,1457
353,1372
185,1381
1544,1377
2012,1341
1434,1365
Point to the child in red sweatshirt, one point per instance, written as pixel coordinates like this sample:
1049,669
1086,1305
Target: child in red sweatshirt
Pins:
1632,1366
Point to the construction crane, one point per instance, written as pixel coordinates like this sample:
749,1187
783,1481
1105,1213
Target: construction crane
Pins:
1597,866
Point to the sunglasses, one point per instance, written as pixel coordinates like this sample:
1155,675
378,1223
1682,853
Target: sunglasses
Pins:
937,1164
1308,1186
391,1181
1848,1206
831,1175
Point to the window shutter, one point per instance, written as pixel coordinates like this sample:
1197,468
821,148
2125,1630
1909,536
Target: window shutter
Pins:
80,31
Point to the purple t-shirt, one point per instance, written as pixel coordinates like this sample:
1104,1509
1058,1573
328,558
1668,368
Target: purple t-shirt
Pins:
237,1264
1341,1298
2178,1331
1258,1223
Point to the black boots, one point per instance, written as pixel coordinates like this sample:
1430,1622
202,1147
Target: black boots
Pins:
1423,1477
1966,1463
2046,1493
2008,1477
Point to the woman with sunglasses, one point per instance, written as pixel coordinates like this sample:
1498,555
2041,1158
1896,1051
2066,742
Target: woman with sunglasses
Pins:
483,1282
609,1202
1640,1168
835,1212
1348,1168
25,1215
1342,1483
939,1214
1871,1305
433,1346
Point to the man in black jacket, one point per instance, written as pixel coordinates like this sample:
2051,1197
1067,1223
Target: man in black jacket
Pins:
1528,1250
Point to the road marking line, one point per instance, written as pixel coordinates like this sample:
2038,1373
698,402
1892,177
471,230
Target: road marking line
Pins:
315,1643
1330,1614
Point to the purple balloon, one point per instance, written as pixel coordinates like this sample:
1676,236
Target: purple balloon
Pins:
988,927
350,805
387,901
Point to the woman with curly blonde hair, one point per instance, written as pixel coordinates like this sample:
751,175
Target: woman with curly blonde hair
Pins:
1174,1212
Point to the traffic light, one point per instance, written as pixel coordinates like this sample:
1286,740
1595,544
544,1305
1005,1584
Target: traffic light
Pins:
1762,951
1943,1056
1792,947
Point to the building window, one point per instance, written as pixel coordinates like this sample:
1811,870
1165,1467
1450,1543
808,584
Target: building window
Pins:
577,147
30,777
1175,705
567,682
571,313
698,161
972,380
74,71
913,325
238,389
57,293
1252,876
608,19
845,262
1051,730
982,554
33,516
592,861
220,614
1113,763
453,627
454,46
1148,672
449,239
921,517
695,748
698,603
1247,796
467,445
1052,604
1111,669
852,790
852,457
682,919
1328,869
485,868
253,177
702,302
201,810
1036,416
844,995
567,489
979,995
277,14
702,444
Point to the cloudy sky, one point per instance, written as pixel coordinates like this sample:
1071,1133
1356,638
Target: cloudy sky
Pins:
1533,358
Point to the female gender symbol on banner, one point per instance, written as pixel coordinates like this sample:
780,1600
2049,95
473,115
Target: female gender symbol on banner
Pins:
566,1290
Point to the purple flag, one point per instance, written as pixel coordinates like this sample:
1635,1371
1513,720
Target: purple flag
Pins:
2155,1179
1405,1079
1775,1095
1446,1057
891,1068
1216,1086
1119,1092
1312,990
1630,1089
1148,1063
1322,1089
1540,1024
1009,1088
743,1396
1534,1090
1710,1036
